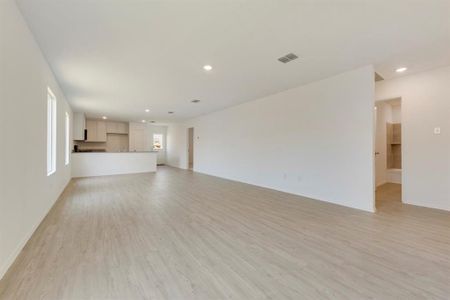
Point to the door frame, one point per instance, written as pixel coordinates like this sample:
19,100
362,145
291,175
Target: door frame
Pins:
189,143
400,98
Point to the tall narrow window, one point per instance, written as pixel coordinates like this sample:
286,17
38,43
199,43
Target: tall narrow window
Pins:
51,132
157,141
67,160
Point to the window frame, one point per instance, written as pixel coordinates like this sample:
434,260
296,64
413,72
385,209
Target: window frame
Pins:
67,140
51,132
161,137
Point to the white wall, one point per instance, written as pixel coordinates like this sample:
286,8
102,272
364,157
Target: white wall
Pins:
396,113
425,156
315,140
26,193
177,146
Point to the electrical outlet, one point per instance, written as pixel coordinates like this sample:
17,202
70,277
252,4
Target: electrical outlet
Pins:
437,130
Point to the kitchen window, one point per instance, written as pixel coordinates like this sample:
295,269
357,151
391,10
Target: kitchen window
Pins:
51,132
157,141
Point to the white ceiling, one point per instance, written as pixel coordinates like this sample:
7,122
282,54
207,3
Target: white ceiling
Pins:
119,57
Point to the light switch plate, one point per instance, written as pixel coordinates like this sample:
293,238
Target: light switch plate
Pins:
437,130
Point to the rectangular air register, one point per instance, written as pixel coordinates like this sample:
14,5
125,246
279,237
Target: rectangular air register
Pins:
287,58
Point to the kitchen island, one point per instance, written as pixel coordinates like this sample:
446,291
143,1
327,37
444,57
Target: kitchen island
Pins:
86,164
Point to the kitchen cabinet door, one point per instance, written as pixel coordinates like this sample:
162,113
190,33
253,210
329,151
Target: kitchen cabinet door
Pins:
91,126
101,131
137,140
79,125
122,128
111,127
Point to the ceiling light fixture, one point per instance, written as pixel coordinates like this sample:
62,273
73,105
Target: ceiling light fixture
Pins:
104,117
143,121
402,69
170,112
152,121
195,101
147,110
207,67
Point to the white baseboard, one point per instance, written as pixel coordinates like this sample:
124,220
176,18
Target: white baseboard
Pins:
287,191
13,256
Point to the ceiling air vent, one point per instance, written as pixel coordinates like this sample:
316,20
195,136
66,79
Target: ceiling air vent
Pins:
288,57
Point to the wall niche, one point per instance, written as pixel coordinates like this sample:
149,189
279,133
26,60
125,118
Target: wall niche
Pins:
394,145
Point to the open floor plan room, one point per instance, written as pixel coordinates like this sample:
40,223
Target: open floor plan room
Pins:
209,149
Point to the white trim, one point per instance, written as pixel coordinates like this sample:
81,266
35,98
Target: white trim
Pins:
51,132
13,256
67,140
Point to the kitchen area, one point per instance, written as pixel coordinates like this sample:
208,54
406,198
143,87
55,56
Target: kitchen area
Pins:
106,147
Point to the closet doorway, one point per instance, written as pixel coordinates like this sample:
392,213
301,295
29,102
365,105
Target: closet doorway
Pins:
388,152
191,148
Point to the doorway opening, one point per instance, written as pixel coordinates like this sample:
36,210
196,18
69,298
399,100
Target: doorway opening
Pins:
388,153
191,148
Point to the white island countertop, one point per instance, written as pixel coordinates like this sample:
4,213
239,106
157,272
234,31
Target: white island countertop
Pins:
86,164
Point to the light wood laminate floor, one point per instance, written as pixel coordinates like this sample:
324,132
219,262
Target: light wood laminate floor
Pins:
389,197
181,235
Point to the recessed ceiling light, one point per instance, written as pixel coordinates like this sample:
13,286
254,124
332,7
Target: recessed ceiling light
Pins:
143,121
207,67
170,112
195,101
104,117
402,69
147,110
